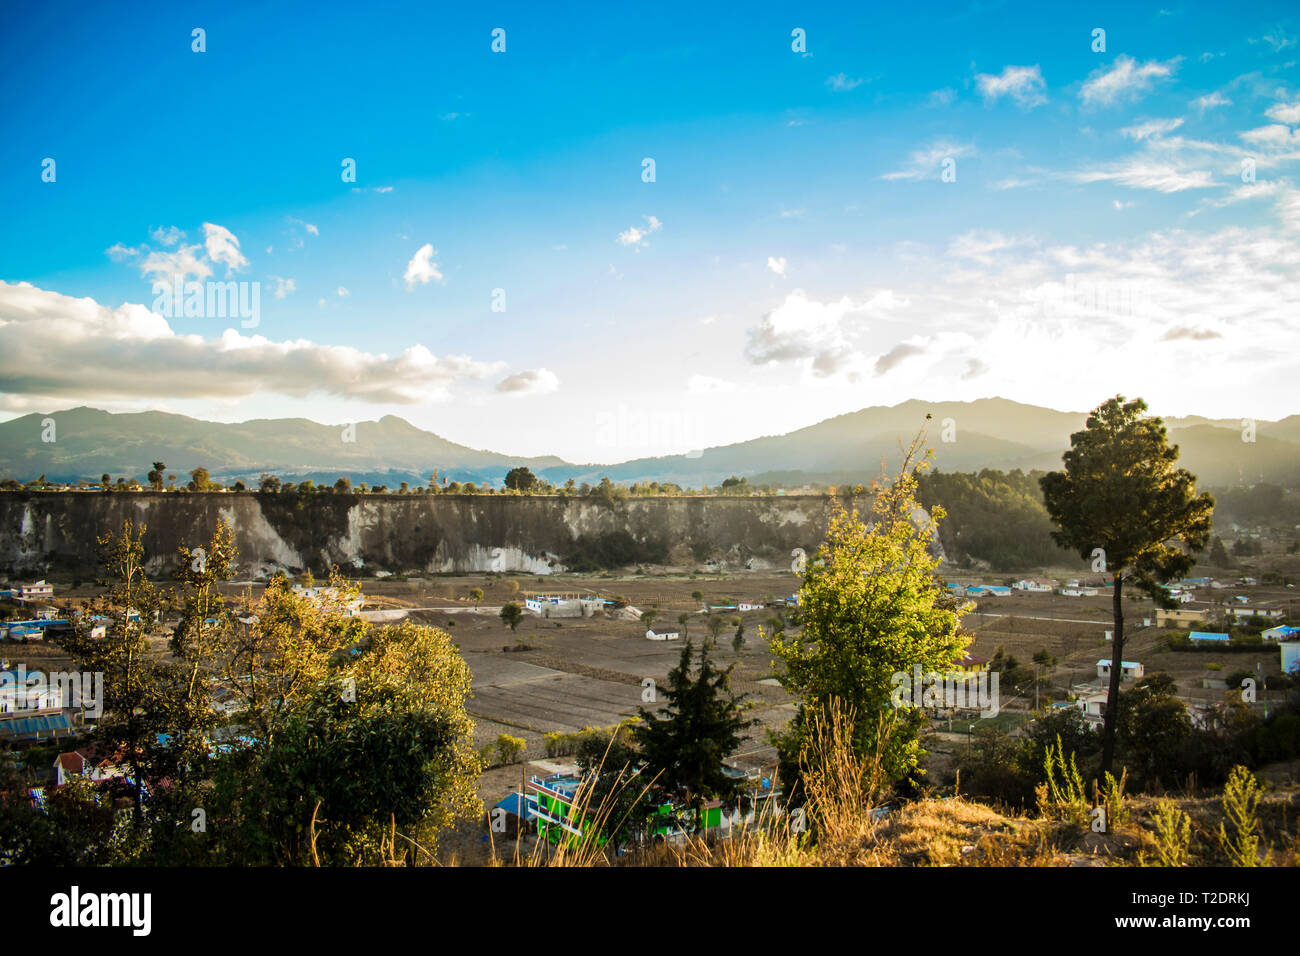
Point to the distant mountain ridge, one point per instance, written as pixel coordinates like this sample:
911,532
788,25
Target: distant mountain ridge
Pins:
966,436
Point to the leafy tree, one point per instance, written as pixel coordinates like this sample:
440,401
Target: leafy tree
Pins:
521,479
200,480
131,715
871,608
1218,554
269,484
343,486
714,624
648,617
384,740
476,595
281,648
1121,501
684,619
156,476
512,614
701,726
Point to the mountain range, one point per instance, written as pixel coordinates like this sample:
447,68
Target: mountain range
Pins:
966,436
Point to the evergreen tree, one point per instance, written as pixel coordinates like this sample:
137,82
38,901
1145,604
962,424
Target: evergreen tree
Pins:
700,726
1122,503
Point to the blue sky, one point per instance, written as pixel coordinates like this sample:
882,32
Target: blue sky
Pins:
798,255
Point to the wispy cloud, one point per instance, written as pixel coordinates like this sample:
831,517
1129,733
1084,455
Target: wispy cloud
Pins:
537,381
842,82
1125,79
1024,84
636,236
927,163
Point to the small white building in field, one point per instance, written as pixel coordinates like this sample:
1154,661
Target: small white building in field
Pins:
664,633
1037,585
1246,613
1128,669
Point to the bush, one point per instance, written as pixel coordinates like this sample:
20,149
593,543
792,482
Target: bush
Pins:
510,748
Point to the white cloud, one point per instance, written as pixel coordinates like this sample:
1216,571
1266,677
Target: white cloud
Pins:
283,287
635,236
1275,136
149,360
1151,128
537,381
1024,84
120,253
222,246
820,335
168,236
982,246
422,269
1140,308
1143,173
343,292
1125,79
927,163
181,264
942,97
777,265
1211,101
842,83
1288,113
1277,39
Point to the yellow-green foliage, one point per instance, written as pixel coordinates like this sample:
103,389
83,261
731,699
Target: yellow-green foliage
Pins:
871,608
1241,796
1173,833
1065,799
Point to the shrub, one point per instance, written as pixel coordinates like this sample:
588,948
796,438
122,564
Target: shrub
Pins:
509,748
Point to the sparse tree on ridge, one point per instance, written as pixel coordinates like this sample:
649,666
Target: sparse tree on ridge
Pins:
1122,504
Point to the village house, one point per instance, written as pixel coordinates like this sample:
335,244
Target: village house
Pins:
1038,585
1127,669
23,593
1246,613
1094,707
69,766
663,633
1283,632
1179,617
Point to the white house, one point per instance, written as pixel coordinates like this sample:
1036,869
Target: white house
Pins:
36,591
1093,707
1041,585
1283,632
749,606
1127,669
76,764
1240,613
663,634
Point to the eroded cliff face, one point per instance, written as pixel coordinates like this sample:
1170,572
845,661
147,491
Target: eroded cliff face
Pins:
56,533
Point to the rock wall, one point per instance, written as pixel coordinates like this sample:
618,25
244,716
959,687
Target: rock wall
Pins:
55,533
